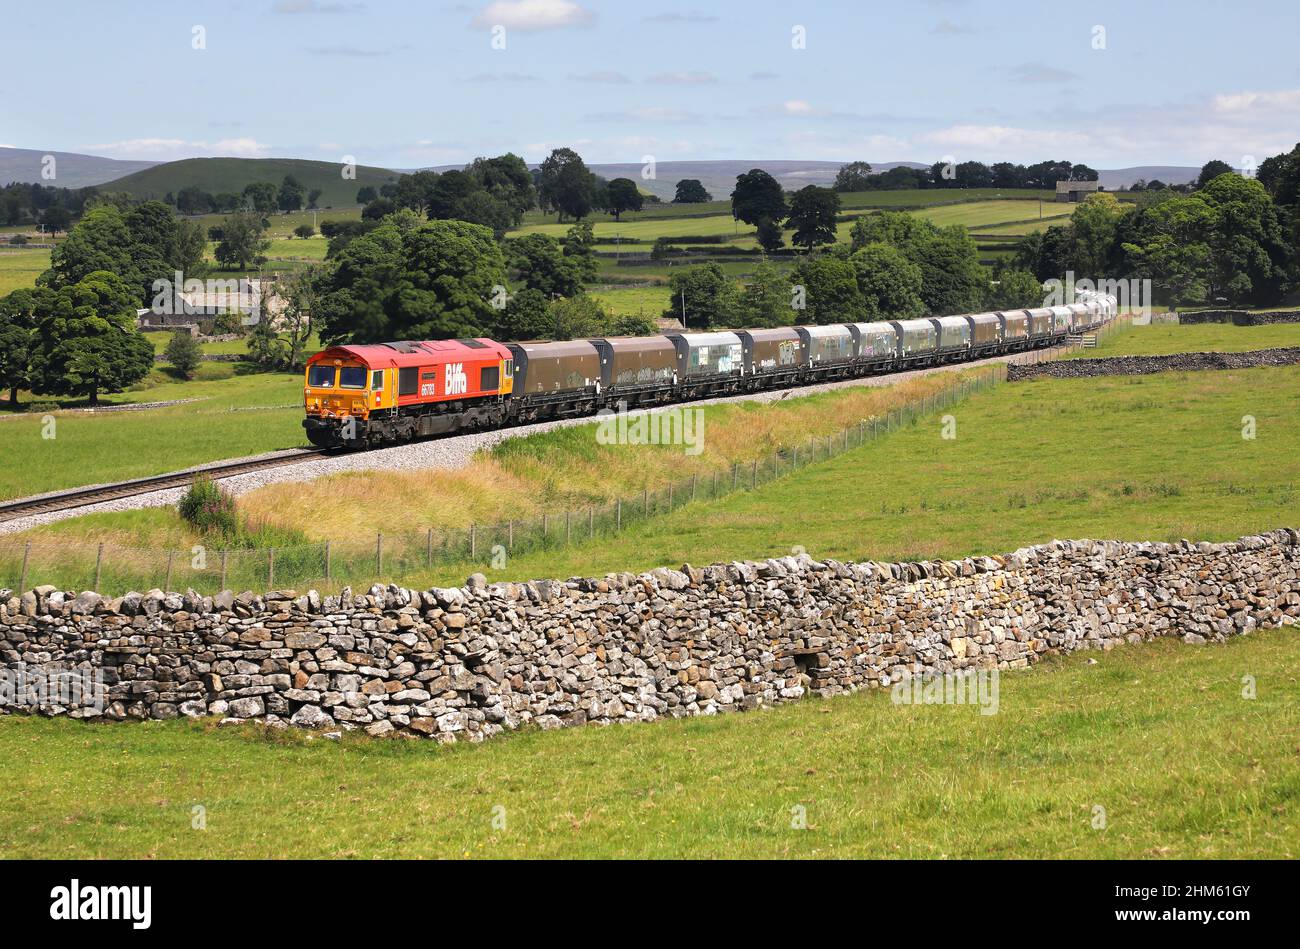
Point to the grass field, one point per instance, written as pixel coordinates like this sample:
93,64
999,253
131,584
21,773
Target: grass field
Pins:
20,268
1158,735
1162,339
1144,458
634,301
93,449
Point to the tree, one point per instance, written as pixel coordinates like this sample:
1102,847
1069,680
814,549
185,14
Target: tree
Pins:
623,196
143,245
855,176
888,283
85,341
367,193
433,281
812,215
691,191
261,196
952,279
183,352
295,293
1094,224
541,264
378,209
1015,290
1211,170
973,174
769,235
56,219
265,347
313,198
827,286
580,246
765,300
304,231
193,200
632,324
242,241
290,197
576,317
508,181
565,185
885,227
757,195
702,297
17,320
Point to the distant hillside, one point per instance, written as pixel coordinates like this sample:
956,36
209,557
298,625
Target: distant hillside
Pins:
216,175
71,170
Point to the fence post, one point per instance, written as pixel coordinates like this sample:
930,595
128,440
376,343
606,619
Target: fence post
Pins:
753,476
568,525
428,547
645,502
167,581
715,483
510,535
735,474
795,462
545,526
223,564
327,561
379,556
270,568
22,577
591,521
693,479
618,520
99,561
473,542
670,497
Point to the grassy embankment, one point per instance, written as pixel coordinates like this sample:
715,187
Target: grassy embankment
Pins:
876,779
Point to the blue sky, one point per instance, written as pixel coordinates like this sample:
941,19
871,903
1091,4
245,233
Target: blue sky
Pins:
406,84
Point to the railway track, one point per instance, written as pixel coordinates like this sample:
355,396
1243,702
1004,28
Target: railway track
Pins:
81,497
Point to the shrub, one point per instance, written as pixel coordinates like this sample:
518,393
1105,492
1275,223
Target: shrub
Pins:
209,509
304,231
183,352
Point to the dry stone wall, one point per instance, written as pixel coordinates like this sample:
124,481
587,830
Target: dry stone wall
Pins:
473,661
1145,365
1240,317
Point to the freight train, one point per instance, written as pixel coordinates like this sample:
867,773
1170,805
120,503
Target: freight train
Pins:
365,396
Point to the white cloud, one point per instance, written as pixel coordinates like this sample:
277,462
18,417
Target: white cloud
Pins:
601,76
1246,103
949,28
1041,72
159,148
693,78
532,15
298,7
685,16
796,107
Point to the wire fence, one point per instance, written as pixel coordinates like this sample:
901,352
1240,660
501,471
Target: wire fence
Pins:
418,553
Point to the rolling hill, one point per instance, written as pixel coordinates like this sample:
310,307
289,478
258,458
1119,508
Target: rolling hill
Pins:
216,175
24,165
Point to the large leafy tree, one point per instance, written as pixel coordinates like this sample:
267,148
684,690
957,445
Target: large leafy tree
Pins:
566,185
1093,225
434,281
812,215
507,179
703,297
828,285
84,340
1211,170
1015,290
765,301
622,195
142,245
261,196
17,321
291,194
952,278
243,240
539,263
691,191
855,176
888,283
757,196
